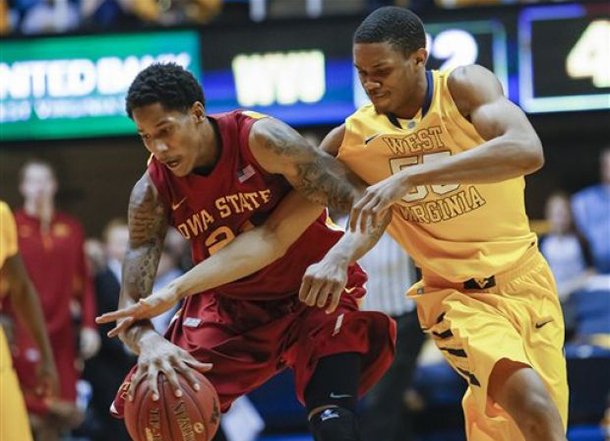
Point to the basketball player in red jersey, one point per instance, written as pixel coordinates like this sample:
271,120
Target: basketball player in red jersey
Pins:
213,177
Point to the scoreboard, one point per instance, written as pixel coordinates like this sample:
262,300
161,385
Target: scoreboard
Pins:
548,58
564,58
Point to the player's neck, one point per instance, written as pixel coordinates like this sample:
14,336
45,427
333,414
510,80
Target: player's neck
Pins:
415,101
209,148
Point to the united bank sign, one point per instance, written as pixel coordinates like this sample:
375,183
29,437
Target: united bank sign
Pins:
76,86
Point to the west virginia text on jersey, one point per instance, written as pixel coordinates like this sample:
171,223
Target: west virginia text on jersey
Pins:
453,231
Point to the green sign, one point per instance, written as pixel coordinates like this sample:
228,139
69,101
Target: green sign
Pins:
68,87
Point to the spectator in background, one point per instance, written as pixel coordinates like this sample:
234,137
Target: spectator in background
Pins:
566,251
7,18
48,16
104,14
13,416
179,248
175,12
51,244
95,253
568,255
107,369
591,209
391,272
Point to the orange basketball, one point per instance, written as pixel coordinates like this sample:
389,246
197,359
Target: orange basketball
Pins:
193,417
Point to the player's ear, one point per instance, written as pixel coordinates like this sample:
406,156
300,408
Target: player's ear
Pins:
420,56
198,112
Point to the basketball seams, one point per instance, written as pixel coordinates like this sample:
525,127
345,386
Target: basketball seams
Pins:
193,396
167,391
168,418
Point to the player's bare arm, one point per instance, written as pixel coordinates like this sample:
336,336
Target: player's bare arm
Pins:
26,304
147,220
271,240
315,174
512,147
332,141
324,282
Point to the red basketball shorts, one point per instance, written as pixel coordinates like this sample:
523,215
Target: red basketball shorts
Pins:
250,341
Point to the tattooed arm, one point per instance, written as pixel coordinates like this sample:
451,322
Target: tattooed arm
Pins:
147,227
148,224
314,173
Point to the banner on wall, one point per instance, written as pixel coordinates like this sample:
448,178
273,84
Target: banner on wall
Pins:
75,86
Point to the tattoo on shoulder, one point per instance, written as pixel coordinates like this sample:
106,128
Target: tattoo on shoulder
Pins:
319,177
281,140
147,215
324,181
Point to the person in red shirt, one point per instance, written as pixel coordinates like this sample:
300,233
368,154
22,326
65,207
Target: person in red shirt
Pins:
213,177
51,244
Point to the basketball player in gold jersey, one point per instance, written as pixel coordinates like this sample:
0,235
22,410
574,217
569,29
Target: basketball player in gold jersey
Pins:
14,424
445,154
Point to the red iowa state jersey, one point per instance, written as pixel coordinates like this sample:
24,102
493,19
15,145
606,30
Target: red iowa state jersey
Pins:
236,195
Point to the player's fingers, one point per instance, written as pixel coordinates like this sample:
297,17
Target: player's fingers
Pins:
305,288
152,379
171,375
188,373
121,326
367,214
355,215
113,316
199,366
136,379
335,298
314,292
323,295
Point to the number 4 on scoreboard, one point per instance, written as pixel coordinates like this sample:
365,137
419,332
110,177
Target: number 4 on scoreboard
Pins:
589,56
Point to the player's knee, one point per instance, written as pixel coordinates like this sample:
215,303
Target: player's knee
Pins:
531,402
536,409
334,424
524,396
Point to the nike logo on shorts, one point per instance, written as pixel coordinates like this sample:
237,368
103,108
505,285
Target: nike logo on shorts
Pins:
542,323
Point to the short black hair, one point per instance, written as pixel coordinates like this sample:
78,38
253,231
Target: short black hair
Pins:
166,83
398,26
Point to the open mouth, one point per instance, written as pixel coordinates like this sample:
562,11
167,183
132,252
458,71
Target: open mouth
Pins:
378,96
173,163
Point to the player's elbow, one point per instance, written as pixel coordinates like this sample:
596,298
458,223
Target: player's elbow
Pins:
532,155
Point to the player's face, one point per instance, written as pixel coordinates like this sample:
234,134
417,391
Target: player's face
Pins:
389,77
173,137
117,242
38,184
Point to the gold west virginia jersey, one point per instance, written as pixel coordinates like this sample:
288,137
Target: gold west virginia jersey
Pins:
453,231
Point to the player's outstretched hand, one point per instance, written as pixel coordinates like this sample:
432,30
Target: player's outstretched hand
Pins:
375,200
148,307
159,355
323,284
